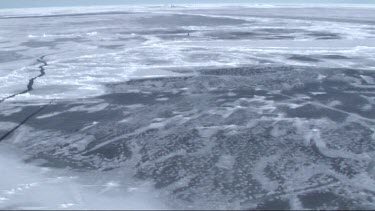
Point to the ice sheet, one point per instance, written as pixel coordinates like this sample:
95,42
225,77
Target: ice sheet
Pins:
114,44
186,107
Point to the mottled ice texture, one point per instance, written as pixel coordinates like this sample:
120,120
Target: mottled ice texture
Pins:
188,108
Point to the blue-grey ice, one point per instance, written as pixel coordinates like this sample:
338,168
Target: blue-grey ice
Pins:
188,107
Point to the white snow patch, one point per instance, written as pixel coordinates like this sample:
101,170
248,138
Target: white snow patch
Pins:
28,186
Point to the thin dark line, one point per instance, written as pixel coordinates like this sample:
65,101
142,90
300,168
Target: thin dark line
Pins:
24,121
68,15
31,81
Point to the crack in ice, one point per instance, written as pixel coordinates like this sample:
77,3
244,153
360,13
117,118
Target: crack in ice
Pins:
32,80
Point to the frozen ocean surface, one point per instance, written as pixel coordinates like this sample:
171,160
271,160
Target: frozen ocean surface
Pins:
188,107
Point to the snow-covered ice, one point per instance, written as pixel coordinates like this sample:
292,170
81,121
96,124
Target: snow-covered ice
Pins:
188,107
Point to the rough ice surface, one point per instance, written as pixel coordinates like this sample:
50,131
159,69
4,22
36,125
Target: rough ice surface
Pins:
212,107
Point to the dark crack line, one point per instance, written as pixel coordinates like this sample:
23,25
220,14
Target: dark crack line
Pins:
24,121
32,80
